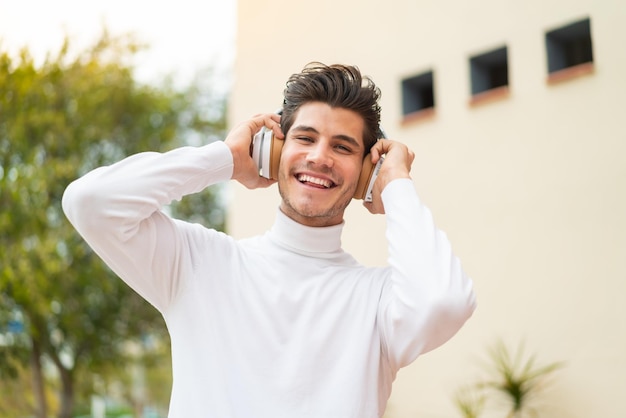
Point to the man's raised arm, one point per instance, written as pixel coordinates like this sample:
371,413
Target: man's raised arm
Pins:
117,210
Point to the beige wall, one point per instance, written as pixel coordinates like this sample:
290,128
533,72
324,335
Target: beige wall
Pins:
531,189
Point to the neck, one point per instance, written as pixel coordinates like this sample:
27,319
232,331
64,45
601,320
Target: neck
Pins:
306,240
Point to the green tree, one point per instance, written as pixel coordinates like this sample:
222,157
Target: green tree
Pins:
58,302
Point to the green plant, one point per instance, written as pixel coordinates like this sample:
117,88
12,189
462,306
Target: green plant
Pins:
516,378
470,401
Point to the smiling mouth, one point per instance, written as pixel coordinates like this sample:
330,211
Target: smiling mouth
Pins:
315,181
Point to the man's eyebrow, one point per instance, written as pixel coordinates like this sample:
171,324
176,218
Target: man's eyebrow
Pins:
305,128
341,137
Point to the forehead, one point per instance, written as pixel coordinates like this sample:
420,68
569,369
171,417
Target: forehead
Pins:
330,121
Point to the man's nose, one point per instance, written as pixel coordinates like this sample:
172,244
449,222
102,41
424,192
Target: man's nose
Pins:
321,154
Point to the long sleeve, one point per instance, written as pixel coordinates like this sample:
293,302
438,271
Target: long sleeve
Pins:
117,210
429,297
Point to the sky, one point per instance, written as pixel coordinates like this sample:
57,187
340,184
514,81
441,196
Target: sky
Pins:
183,36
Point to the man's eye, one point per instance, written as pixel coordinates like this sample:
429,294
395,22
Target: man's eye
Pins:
304,139
343,148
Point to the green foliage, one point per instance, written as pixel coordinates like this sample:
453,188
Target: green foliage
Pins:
515,378
519,378
470,402
14,400
58,121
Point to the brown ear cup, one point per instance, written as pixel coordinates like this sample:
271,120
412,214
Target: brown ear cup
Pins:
275,149
364,179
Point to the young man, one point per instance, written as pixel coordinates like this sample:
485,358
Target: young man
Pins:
286,324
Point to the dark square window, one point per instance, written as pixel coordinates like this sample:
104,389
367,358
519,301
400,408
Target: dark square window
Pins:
489,70
418,93
569,46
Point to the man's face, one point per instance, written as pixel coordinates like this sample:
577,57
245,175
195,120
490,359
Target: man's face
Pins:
320,164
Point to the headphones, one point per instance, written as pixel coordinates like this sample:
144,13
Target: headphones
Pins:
266,152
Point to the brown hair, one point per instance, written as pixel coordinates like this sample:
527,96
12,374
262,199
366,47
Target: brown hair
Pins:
339,86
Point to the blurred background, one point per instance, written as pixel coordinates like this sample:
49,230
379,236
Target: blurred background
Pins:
514,111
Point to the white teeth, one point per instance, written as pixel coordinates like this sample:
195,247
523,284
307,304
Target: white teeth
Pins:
315,180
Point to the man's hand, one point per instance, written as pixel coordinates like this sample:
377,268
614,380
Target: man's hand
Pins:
239,140
398,160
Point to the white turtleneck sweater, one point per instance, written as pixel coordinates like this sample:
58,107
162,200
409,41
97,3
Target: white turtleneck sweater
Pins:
283,325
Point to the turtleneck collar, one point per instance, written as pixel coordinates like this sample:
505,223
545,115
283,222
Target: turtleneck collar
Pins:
306,240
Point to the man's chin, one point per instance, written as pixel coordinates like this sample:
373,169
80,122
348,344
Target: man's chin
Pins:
309,212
